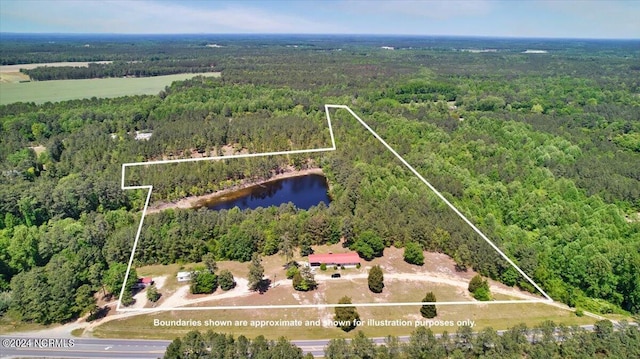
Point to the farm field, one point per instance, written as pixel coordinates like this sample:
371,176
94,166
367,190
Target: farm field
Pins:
62,90
12,74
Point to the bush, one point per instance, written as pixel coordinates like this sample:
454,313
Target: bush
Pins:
304,280
305,250
152,293
358,266
127,298
226,280
429,310
292,271
5,302
376,279
480,288
203,283
482,294
413,254
347,317
323,266
476,282
368,245
579,312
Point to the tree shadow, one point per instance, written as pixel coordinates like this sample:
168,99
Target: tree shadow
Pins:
99,314
263,286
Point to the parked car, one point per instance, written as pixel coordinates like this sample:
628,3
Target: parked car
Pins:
335,275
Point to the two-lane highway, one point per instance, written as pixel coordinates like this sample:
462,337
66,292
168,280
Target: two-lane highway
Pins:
83,348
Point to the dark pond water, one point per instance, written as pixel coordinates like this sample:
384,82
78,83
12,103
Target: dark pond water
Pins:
304,192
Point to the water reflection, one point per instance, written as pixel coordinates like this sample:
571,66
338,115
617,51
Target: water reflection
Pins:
304,192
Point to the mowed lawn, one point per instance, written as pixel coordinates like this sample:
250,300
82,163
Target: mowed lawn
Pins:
62,90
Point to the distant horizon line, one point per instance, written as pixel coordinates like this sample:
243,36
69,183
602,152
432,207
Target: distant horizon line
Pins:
324,34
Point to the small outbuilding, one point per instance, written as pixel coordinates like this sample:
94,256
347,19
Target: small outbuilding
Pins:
184,276
350,259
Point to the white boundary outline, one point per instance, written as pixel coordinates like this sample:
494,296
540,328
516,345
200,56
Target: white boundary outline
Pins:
149,189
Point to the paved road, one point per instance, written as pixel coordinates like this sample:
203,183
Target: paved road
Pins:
85,348
139,349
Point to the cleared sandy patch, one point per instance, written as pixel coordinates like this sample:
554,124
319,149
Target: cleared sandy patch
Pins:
17,67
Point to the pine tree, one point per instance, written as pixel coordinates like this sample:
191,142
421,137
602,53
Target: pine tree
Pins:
210,262
347,317
475,283
429,310
376,279
226,280
152,293
256,272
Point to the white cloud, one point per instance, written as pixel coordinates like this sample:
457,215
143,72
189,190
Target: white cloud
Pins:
144,16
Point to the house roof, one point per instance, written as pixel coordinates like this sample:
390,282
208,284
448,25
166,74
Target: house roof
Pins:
335,258
146,280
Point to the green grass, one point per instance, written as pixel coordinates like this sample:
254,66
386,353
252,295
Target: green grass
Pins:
62,90
10,325
497,316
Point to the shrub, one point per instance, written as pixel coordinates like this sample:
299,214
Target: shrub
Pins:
429,310
480,288
304,280
226,280
476,282
203,283
376,279
292,271
482,294
152,293
346,317
127,298
413,254
323,266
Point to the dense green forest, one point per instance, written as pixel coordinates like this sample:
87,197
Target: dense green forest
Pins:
544,341
541,151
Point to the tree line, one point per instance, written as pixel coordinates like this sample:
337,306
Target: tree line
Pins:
547,340
537,165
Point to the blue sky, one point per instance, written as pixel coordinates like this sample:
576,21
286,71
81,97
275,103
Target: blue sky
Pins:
560,18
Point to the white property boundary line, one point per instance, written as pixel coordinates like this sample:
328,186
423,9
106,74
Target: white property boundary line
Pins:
149,189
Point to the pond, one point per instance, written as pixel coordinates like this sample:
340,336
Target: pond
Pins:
303,191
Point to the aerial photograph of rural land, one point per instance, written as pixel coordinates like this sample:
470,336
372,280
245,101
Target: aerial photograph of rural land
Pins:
341,179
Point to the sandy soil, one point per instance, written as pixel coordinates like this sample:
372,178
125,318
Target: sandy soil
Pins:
190,202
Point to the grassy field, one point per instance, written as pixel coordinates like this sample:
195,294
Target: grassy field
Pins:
498,316
62,90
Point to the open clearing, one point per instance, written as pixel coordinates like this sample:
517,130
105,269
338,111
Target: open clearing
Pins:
403,282
12,74
62,90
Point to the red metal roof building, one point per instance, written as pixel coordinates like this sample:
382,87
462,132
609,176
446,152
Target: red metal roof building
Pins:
334,259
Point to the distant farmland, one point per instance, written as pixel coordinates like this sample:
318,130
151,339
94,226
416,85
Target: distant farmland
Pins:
62,90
